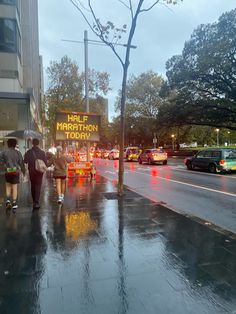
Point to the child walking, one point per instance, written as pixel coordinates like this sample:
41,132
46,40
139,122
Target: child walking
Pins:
60,161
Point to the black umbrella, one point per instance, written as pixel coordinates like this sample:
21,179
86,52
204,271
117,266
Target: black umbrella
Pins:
25,134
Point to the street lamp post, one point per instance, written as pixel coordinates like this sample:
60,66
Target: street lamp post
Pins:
173,141
131,134
217,137
155,140
229,136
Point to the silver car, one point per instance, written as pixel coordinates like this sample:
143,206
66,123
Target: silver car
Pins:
114,154
152,156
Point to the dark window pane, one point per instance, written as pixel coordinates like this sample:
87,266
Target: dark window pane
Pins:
11,2
207,154
230,154
216,154
8,36
201,154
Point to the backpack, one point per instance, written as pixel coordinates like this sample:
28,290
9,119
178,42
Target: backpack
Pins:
39,164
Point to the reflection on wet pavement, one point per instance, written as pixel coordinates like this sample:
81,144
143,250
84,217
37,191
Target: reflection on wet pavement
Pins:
102,254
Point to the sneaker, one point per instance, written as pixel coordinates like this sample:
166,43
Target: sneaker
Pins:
36,206
14,207
60,200
8,204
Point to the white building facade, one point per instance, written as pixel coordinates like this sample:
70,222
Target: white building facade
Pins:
20,67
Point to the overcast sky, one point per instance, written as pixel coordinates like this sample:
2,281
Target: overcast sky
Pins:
160,34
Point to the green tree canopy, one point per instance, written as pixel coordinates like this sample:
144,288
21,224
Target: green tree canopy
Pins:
66,92
142,104
204,77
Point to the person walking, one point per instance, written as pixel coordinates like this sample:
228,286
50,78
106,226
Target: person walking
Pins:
60,161
36,177
13,163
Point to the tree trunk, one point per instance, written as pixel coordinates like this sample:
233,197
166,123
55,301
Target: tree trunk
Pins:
122,131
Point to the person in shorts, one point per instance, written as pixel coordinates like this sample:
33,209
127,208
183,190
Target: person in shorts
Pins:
13,163
60,161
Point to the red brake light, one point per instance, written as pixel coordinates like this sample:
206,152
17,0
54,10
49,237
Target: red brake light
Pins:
222,161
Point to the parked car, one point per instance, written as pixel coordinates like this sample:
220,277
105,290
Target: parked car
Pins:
213,159
131,153
114,154
151,156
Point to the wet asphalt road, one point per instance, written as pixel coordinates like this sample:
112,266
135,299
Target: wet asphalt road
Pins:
211,197
103,254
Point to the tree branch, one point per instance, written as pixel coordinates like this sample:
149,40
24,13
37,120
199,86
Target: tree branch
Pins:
82,13
124,4
148,9
131,9
101,36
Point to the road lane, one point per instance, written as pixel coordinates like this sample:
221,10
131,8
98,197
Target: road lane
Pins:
209,197
192,185
225,183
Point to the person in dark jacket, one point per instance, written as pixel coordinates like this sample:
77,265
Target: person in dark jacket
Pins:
36,177
13,164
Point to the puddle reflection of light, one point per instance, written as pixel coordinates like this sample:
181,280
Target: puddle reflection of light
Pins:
132,167
168,174
70,181
154,172
79,224
81,181
114,182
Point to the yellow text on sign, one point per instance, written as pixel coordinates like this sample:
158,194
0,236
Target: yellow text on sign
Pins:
62,126
77,118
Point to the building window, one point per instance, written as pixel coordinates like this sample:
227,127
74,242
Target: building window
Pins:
9,36
11,2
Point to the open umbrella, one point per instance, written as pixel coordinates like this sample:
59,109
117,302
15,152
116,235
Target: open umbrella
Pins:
25,134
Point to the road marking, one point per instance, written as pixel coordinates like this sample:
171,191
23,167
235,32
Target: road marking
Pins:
184,169
192,185
111,172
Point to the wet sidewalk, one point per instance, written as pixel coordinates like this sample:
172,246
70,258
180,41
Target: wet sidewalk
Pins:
103,254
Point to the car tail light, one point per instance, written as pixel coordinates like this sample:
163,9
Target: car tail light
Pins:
222,161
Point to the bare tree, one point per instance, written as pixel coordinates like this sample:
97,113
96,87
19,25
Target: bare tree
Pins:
110,35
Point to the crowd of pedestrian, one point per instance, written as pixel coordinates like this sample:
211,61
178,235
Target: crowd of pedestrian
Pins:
14,165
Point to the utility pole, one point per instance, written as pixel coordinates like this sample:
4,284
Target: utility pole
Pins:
86,87
86,69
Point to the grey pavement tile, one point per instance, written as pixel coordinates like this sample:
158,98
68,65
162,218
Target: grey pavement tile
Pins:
122,256
51,301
